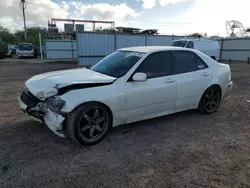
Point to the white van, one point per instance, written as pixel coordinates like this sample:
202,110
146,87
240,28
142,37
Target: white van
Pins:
209,47
25,50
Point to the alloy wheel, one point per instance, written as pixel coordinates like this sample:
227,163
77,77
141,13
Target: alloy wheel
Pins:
92,123
212,100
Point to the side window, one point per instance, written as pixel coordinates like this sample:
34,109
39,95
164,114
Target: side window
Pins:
156,65
200,63
183,62
190,44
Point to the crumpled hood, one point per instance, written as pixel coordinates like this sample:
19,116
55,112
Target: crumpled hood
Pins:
65,78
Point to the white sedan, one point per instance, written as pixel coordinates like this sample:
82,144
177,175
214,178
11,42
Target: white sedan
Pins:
129,85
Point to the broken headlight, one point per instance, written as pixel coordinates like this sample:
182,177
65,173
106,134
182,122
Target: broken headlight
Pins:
47,93
55,104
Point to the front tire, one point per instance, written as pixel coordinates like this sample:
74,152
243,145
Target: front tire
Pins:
210,100
89,123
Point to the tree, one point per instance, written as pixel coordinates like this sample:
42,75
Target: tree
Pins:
215,37
107,30
6,36
33,35
19,36
196,35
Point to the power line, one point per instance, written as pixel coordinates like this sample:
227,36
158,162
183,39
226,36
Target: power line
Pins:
23,7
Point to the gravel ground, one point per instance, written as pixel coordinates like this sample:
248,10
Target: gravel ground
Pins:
187,149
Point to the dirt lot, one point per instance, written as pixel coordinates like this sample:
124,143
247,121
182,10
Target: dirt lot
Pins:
16,60
182,150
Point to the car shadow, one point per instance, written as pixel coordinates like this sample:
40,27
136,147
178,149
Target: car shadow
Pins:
159,121
30,133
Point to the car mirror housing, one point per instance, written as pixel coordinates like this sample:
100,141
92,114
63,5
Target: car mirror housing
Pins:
139,77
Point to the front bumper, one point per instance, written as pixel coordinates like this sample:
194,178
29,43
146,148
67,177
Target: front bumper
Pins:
26,55
52,120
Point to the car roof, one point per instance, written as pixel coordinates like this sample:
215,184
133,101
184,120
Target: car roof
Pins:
148,49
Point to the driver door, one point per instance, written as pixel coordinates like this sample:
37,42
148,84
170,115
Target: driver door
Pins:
157,94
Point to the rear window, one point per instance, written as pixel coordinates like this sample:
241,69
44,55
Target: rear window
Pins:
180,43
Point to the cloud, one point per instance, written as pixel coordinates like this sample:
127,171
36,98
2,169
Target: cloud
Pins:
38,12
206,16
148,4
211,15
106,11
100,11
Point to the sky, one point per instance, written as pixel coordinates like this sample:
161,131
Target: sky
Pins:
177,17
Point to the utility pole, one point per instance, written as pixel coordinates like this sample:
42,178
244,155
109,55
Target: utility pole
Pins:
23,7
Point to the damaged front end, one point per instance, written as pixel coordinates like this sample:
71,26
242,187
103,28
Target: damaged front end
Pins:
45,107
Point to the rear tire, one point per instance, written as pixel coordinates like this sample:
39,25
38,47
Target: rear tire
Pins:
210,100
88,124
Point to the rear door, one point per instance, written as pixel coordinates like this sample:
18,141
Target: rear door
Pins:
192,76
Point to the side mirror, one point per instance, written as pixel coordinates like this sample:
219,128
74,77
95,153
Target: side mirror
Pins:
139,77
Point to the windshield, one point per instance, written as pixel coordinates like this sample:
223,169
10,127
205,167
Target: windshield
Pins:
118,63
180,43
25,47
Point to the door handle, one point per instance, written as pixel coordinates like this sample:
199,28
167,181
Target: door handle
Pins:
169,80
205,74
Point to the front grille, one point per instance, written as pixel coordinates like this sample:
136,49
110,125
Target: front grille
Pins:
29,99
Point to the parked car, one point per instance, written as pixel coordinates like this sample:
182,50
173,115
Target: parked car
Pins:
10,50
207,46
13,50
129,85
